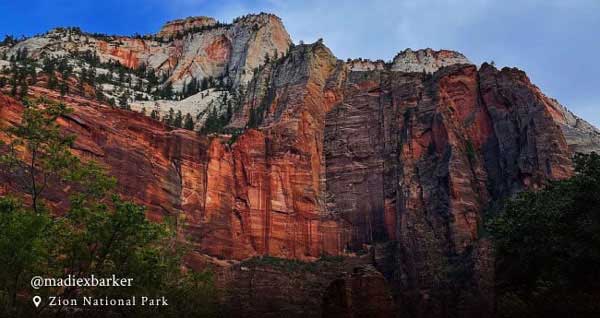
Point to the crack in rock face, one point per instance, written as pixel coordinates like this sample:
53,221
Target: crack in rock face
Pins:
351,186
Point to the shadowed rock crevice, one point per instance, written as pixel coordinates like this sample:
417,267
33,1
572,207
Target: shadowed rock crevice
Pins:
390,166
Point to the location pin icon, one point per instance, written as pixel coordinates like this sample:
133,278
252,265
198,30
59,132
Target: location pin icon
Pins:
37,300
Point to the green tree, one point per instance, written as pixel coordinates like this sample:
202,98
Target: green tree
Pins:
23,248
99,233
167,91
9,40
13,87
124,101
170,117
24,89
178,120
188,122
204,84
52,81
121,74
47,151
191,88
64,89
548,247
211,124
99,93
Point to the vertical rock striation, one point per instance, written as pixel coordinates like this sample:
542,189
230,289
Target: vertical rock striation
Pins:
415,158
278,169
390,165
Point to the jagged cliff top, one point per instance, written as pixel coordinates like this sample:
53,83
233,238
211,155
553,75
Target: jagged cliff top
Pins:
193,19
426,60
408,60
182,25
422,60
216,49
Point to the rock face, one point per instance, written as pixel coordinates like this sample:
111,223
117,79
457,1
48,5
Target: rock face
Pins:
426,60
396,161
276,172
184,49
409,61
415,158
269,287
581,136
168,175
180,26
363,294
197,105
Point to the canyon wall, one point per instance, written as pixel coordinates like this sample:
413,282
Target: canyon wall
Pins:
183,49
390,167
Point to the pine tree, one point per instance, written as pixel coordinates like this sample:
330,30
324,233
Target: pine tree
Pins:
24,89
178,120
9,40
140,85
154,114
191,88
51,81
99,94
188,122
229,111
204,84
82,80
121,75
123,101
91,76
152,79
167,92
212,123
32,74
168,119
13,89
64,89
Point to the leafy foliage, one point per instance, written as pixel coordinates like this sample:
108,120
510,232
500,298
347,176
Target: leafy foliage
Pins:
548,247
292,265
98,233
46,159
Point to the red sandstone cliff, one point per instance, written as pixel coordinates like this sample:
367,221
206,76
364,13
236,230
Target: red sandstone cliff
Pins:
399,160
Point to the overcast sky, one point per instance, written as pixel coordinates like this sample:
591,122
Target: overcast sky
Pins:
557,42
